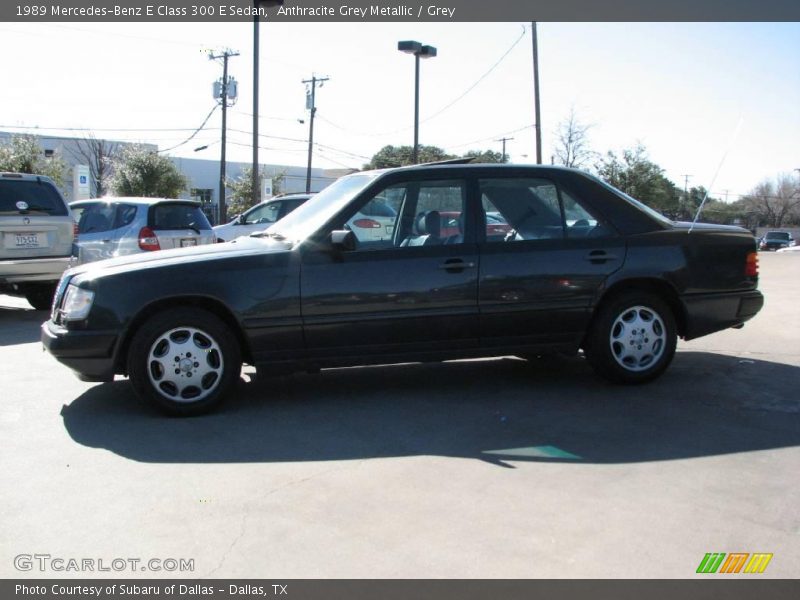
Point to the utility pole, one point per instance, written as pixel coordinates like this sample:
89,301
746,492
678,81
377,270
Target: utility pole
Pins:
686,190
312,108
537,111
225,85
504,140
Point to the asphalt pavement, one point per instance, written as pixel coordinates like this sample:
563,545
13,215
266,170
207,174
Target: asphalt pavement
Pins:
496,468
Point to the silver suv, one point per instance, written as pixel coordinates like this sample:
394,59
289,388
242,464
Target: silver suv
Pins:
36,233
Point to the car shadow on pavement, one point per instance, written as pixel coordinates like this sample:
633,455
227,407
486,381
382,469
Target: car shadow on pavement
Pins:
500,411
20,325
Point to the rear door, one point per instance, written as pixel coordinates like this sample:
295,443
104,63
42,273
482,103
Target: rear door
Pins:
540,271
34,220
179,225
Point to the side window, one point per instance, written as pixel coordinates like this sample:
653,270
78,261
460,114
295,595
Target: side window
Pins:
95,218
419,213
375,223
580,222
521,209
126,213
533,209
266,214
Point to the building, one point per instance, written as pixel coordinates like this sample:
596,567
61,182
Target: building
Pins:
202,175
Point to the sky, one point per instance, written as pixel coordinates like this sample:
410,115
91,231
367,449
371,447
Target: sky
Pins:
703,98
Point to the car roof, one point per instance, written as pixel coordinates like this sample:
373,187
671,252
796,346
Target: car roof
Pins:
24,176
133,200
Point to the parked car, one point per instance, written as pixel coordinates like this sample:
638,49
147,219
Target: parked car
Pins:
621,282
374,221
259,217
36,233
775,240
113,227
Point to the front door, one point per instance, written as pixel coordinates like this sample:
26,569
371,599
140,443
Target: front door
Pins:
410,284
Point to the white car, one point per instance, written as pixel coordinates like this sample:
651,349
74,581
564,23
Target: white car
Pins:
259,217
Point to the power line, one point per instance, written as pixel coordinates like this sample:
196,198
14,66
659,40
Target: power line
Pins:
441,110
489,138
196,131
480,79
91,129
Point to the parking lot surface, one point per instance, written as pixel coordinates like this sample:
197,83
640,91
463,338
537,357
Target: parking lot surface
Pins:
489,468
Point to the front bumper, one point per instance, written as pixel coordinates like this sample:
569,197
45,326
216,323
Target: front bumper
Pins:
90,354
707,313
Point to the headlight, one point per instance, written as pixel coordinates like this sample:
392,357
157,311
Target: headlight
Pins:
77,303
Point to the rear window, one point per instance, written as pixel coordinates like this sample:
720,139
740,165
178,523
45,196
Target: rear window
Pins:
41,197
177,216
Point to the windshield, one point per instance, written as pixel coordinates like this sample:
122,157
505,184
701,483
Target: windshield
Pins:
777,235
312,215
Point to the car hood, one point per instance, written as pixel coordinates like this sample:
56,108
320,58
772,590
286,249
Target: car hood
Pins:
245,246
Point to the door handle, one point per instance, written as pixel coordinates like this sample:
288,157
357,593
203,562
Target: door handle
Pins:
456,264
599,256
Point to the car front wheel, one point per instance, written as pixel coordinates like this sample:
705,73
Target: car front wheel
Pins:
184,361
632,339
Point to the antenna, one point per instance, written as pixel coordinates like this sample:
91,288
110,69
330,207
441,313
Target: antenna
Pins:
719,167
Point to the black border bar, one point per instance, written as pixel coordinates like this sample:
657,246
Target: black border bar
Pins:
712,587
399,10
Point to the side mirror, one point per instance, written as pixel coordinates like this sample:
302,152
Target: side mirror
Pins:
343,240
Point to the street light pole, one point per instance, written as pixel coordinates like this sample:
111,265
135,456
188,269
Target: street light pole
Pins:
257,4
419,51
256,187
537,111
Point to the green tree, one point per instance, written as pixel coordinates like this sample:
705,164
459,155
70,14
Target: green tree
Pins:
636,175
399,156
23,154
139,171
485,156
241,195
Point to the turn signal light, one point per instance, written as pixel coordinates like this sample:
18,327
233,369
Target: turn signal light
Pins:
751,265
148,240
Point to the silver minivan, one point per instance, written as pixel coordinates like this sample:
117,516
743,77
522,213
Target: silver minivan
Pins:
36,233
110,227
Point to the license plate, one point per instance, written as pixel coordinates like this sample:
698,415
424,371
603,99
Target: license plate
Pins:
25,240
186,242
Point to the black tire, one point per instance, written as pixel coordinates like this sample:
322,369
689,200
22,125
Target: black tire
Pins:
164,361
40,295
632,338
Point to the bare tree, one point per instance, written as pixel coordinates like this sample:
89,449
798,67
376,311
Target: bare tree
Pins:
99,156
775,202
572,142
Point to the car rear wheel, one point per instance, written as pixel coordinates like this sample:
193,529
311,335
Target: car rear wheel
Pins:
40,295
184,361
632,339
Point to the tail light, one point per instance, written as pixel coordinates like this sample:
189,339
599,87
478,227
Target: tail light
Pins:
75,230
367,224
751,265
148,240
